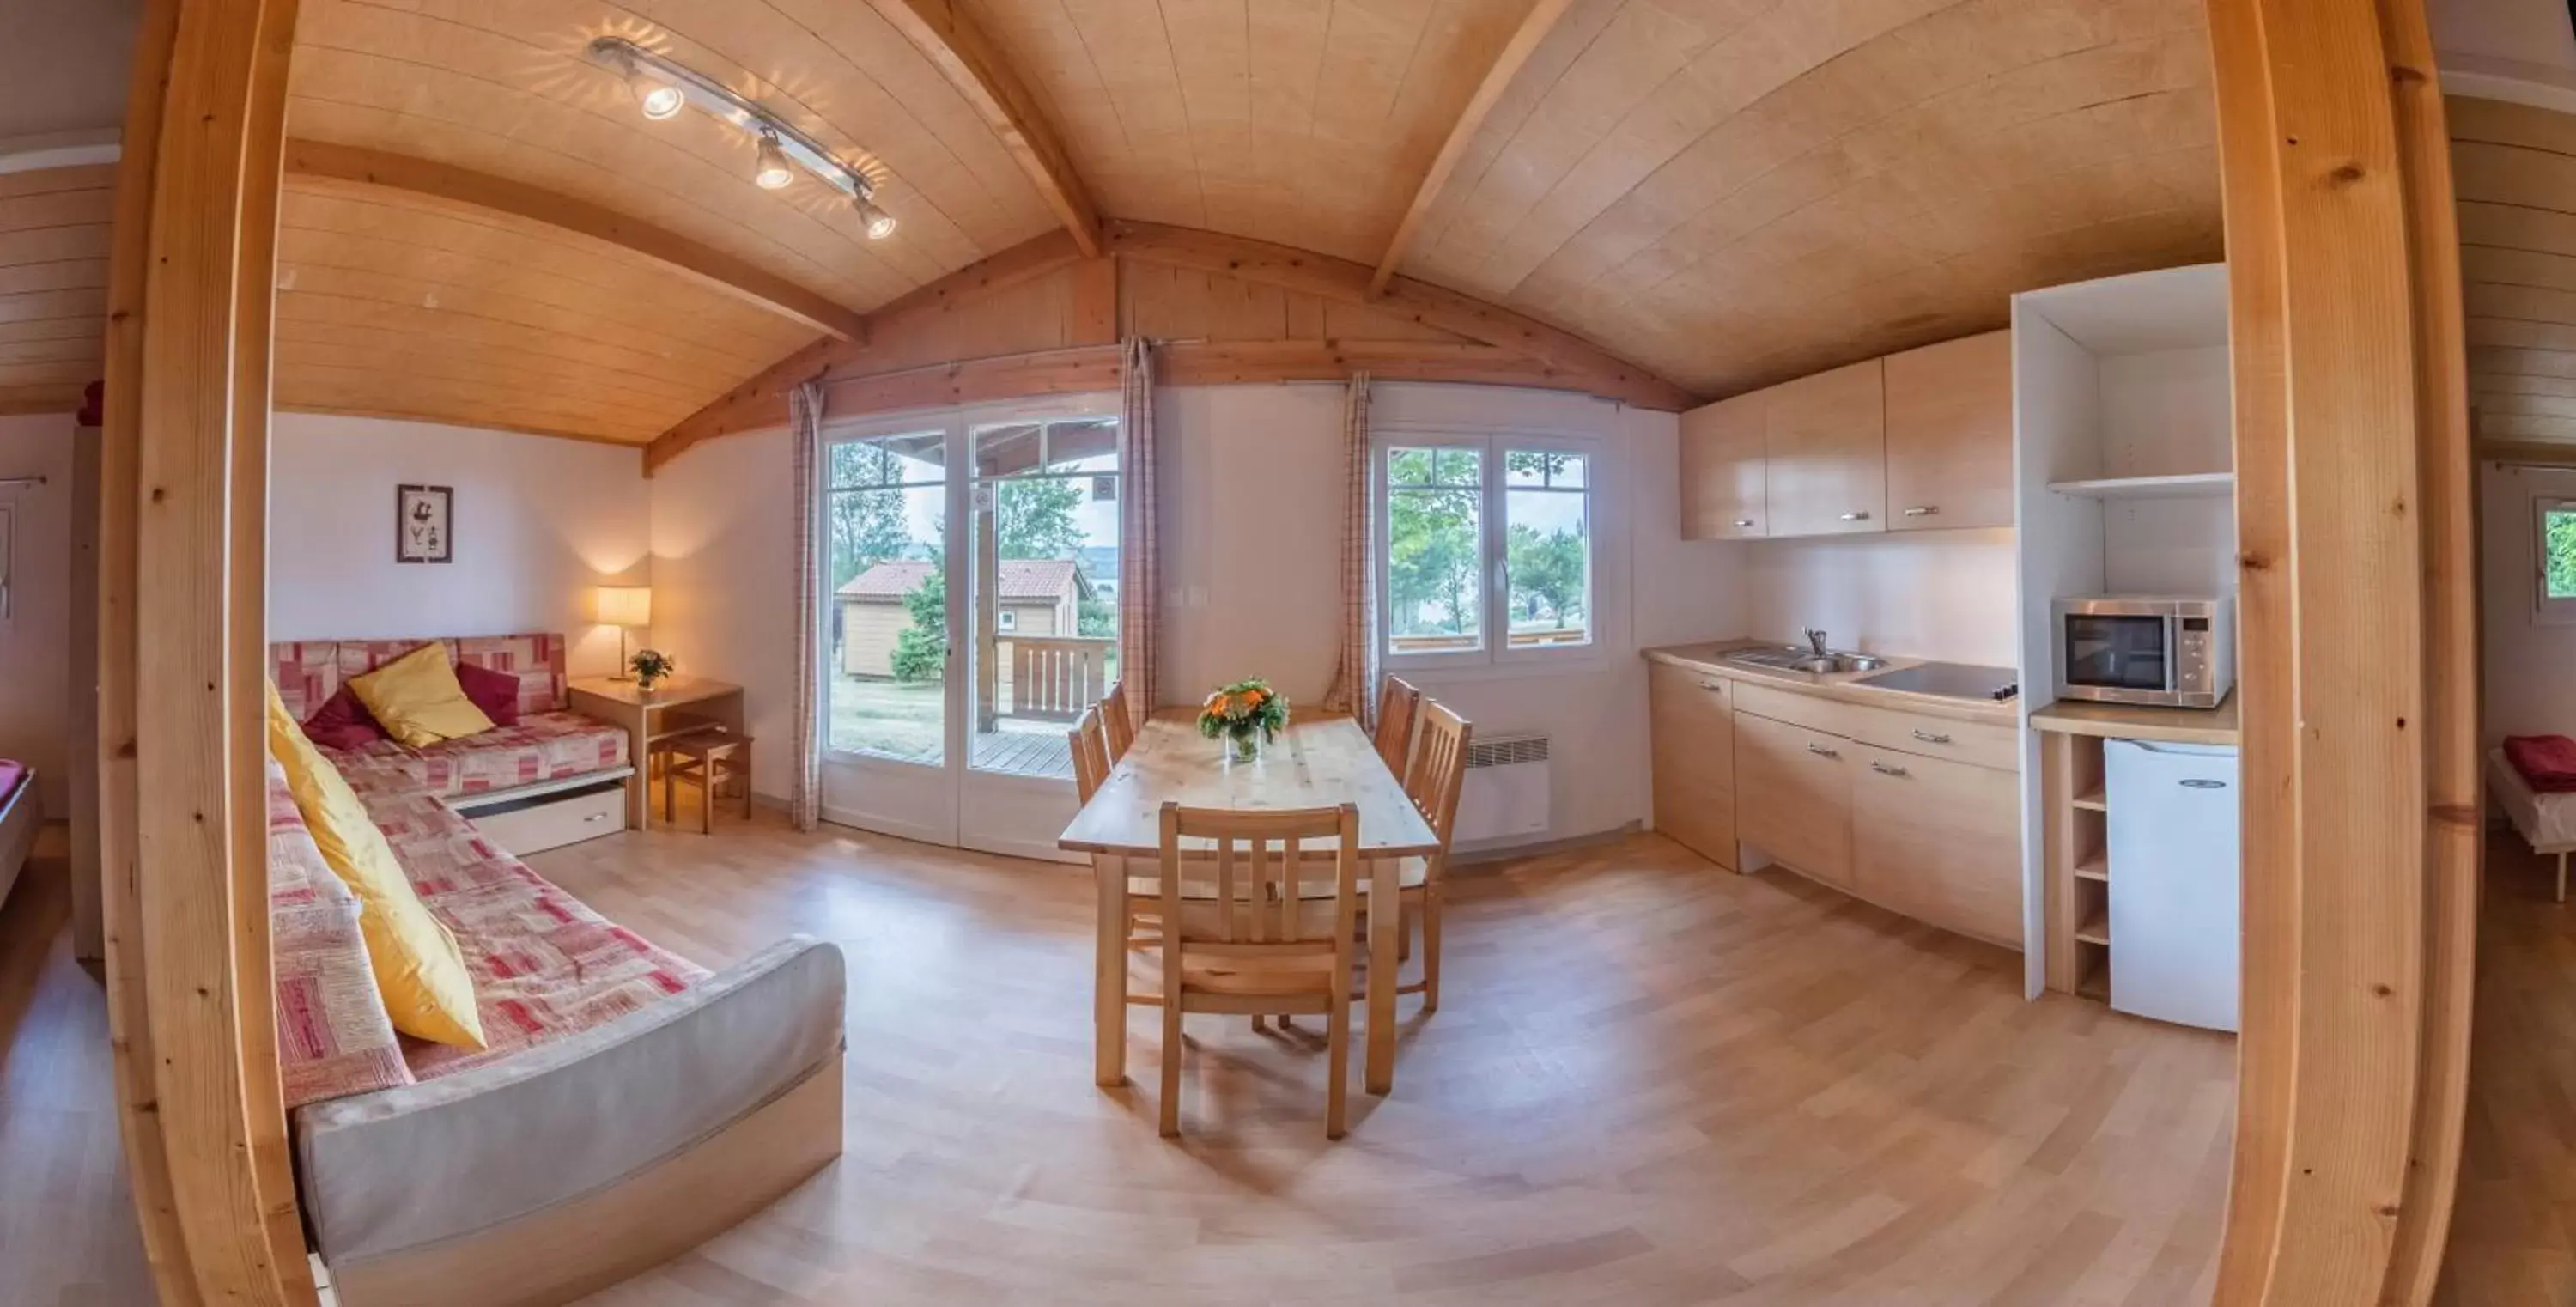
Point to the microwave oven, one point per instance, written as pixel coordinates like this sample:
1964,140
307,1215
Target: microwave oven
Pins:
2166,651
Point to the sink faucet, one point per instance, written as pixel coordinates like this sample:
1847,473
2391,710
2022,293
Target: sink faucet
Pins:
1816,640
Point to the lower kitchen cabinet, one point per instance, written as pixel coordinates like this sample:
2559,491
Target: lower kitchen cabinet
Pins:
1793,796
1694,760
1938,840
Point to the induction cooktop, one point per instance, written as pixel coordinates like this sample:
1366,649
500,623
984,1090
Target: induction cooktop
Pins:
1950,681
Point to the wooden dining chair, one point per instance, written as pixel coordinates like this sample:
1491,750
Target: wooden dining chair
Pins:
1120,728
1266,942
1091,760
1438,773
1398,703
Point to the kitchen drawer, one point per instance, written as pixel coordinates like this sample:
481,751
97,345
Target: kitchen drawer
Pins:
1792,796
555,820
1938,841
1980,744
1693,742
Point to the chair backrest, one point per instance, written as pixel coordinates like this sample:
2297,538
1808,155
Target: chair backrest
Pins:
1119,727
1439,770
1397,705
1090,755
1252,888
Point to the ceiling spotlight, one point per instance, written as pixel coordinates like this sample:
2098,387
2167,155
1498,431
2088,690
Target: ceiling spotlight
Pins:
658,99
774,172
879,223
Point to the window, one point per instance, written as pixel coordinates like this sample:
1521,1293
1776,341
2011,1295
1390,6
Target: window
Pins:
2554,537
1007,620
1450,580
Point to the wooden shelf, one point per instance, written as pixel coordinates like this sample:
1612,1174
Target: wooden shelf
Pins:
2194,485
2093,799
2096,928
2096,985
2095,868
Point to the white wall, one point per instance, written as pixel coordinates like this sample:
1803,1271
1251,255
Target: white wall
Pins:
1251,488
35,637
2506,49
2529,669
1944,595
539,522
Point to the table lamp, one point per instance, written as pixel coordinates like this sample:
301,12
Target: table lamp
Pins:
624,607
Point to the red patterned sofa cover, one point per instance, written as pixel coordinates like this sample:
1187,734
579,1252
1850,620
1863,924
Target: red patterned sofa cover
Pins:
548,743
605,1055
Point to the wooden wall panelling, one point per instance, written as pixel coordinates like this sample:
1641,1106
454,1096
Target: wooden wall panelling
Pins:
2516,182
1184,288
2361,798
188,949
54,238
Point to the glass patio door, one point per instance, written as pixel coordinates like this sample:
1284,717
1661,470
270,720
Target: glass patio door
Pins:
958,658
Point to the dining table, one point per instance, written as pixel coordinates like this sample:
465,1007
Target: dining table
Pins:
1319,761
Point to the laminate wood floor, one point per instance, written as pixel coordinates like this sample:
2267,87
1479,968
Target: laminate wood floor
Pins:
2513,1229
1653,1082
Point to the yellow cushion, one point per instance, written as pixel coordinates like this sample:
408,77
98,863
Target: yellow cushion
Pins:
419,970
417,700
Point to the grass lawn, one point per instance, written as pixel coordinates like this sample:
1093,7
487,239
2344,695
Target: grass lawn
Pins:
897,718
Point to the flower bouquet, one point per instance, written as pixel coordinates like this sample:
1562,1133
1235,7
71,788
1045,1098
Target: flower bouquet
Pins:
649,666
1247,714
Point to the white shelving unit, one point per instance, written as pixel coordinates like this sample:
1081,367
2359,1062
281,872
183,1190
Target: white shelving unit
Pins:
2186,485
2124,467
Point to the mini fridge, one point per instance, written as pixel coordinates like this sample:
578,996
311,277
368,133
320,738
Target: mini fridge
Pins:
2175,898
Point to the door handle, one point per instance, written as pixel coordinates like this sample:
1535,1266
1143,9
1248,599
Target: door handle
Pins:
2199,784
1821,751
1744,522
1924,510
1711,685
1855,517
1930,738
1884,770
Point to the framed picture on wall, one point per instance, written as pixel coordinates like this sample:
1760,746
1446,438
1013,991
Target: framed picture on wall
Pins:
423,522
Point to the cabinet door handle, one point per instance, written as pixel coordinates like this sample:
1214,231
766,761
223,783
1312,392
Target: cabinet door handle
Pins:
1711,685
1745,522
1884,770
1924,510
1930,738
1821,751
1855,517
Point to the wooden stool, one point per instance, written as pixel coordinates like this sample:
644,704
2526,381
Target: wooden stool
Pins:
711,758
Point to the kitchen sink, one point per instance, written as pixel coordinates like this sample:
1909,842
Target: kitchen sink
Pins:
1793,659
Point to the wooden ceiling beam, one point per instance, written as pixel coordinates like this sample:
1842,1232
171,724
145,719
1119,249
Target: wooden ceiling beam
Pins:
1535,26
724,272
1343,281
967,57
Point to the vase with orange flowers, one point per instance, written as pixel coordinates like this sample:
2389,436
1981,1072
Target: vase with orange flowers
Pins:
1246,715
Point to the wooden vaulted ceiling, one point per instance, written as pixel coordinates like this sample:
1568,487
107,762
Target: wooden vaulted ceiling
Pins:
1728,192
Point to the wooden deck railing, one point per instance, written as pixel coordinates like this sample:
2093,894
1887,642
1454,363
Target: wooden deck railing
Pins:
1055,677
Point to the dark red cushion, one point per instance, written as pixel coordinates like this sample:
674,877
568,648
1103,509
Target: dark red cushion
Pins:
343,723
496,693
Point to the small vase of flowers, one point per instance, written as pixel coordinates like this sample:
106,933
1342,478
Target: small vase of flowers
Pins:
649,666
1246,715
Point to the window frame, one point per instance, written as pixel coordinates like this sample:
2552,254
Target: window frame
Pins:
2547,610
1493,528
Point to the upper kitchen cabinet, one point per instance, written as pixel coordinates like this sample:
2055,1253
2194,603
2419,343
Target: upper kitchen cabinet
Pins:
1950,434
1722,470
1825,447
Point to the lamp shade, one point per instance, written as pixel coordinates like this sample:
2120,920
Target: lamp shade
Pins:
623,605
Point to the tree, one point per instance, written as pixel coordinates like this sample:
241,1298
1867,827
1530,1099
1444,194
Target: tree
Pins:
1034,517
865,527
921,649
1431,560
1547,574
1096,616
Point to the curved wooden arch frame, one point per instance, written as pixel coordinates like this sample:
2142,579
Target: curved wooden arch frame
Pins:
2360,679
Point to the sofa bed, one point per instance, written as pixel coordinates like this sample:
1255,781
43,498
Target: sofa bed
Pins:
626,1105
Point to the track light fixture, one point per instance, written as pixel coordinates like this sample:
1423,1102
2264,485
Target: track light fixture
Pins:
772,173
662,87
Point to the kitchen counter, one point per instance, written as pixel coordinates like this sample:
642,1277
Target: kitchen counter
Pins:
2133,722
1846,687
